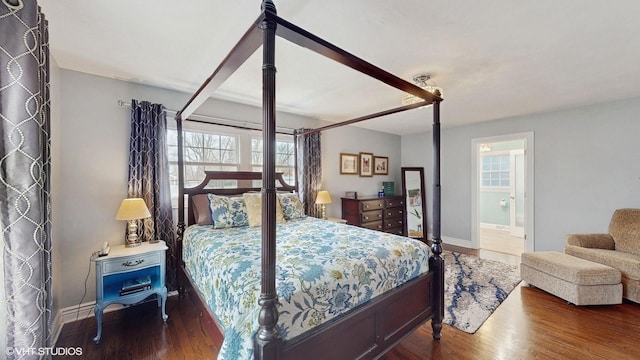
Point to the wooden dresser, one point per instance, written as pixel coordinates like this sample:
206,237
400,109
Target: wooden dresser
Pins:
382,214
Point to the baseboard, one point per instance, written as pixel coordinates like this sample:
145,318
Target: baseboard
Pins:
457,242
452,241
79,312
56,328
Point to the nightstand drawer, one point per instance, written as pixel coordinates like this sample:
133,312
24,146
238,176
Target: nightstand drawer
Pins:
131,263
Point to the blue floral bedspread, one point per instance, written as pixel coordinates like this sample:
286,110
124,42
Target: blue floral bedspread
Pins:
323,269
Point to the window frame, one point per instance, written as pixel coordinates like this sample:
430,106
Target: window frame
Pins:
243,148
501,171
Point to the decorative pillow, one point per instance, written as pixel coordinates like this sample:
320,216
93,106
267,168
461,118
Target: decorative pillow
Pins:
238,211
227,211
201,210
253,201
291,206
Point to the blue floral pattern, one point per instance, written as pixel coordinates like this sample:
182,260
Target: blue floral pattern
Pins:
291,206
227,211
323,269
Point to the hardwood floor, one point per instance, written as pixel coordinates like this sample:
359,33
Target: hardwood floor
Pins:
500,241
530,324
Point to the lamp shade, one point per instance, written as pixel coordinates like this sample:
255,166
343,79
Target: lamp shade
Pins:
133,209
323,197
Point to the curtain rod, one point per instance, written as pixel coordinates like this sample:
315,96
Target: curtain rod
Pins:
243,124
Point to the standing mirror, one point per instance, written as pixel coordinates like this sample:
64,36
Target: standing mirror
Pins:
416,209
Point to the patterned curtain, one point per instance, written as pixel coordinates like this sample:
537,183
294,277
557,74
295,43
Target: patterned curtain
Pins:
25,208
149,177
309,171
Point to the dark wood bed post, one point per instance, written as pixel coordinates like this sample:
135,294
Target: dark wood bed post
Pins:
181,223
267,341
436,262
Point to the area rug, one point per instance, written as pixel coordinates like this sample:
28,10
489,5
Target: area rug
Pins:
474,288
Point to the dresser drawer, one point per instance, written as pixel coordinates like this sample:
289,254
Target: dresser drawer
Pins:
397,202
375,213
393,213
392,223
131,263
371,205
375,225
396,230
371,216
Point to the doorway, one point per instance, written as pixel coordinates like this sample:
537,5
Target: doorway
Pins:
502,196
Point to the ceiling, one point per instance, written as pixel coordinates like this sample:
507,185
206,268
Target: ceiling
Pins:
493,58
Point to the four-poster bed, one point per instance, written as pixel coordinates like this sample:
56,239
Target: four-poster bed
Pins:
369,329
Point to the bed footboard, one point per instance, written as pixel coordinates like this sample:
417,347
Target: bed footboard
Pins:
363,333
371,329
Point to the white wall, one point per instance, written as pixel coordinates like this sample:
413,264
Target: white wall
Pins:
93,163
586,166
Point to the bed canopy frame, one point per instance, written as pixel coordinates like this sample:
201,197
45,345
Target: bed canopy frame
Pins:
267,342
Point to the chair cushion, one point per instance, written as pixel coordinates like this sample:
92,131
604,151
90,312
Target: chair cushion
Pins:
625,230
572,269
628,264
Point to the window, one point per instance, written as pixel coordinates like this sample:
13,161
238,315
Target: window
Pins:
218,148
202,151
285,159
495,171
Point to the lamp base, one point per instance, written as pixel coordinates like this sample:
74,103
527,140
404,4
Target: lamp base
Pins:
132,235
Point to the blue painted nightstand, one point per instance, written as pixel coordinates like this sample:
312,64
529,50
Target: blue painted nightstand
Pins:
125,264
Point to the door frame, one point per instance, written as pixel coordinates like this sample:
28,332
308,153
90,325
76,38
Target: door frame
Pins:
515,230
529,239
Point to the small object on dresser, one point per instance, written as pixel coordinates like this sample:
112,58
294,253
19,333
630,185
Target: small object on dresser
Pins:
380,193
389,188
351,194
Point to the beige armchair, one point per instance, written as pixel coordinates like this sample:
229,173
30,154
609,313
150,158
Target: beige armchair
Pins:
619,249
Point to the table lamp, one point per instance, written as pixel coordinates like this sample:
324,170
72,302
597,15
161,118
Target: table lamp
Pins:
323,198
132,209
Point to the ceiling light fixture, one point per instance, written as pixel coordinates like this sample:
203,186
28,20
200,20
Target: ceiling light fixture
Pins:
422,81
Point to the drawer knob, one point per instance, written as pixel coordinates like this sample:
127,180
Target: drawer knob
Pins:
133,263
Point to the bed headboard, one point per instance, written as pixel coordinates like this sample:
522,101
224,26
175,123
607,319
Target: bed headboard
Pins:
244,183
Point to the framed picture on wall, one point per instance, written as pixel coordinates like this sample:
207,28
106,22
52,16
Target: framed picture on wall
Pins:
381,165
348,164
366,164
